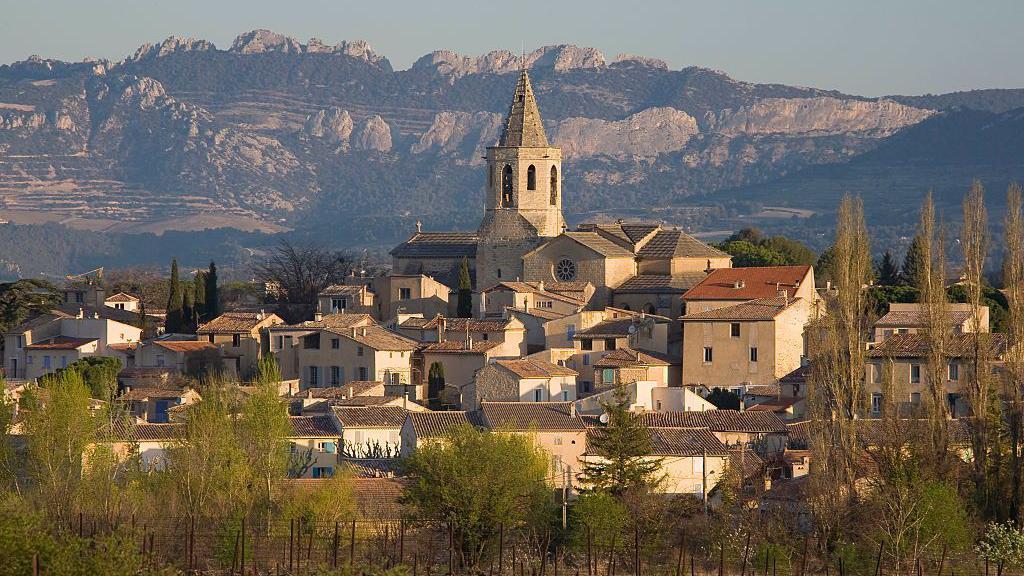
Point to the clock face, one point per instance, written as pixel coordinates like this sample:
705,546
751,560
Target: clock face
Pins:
565,270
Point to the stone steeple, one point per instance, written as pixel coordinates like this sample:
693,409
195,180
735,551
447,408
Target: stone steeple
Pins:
523,125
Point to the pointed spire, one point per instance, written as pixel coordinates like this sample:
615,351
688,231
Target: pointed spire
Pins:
523,125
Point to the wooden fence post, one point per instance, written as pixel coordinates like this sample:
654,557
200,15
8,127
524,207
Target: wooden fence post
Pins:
352,546
501,549
746,551
878,562
334,545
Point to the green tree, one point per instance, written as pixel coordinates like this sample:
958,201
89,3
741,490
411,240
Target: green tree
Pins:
744,254
188,308
100,375
212,298
475,482
465,303
888,274
915,264
264,430
175,322
624,446
22,299
1002,544
724,399
199,296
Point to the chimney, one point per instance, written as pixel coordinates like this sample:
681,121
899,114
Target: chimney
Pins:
81,314
351,391
540,286
419,226
469,342
784,294
440,328
353,331
572,410
318,316
363,331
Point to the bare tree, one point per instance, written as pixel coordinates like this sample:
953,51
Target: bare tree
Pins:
299,274
1013,287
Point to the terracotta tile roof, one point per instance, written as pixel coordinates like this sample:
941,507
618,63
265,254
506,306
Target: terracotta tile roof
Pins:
349,390
917,318
873,432
599,244
754,283
342,290
797,376
459,324
798,432
626,357
571,292
379,338
146,432
717,421
746,461
686,442
38,321
660,283
184,345
123,346
378,498
774,405
104,312
235,322
754,310
917,346
543,314
541,416
614,328
374,467
529,368
370,416
146,392
678,244
333,322
628,233
121,297
438,245
433,424
60,343
763,390
459,347
313,427
367,400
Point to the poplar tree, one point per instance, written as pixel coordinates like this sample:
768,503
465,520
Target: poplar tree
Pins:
932,288
175,302
465,302
199,298
212,299
1013,287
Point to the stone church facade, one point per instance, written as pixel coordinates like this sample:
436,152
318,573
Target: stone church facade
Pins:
523,235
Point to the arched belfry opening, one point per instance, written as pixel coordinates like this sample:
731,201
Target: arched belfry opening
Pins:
554,185
531,177
506,187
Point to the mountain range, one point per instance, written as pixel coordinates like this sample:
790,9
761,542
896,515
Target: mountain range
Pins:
273,134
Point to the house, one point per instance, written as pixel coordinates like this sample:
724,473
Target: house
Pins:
509,333
123,301
314,443
907,354
55,339
241,336
763,430
911,318
554,426
535,323
757,393
284,338
424,427
626,365
148,442
752,342
622,329
347,299
459,360
730,286
647,395
412,294
151,404
369,431
181,354
787,408
521,380
554,297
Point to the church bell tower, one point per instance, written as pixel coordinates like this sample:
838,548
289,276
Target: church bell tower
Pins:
523,204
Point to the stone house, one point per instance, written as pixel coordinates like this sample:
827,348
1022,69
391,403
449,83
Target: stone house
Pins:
555,297
906,355
622,329
181,353
347,299
284,338
730,286
764,431
242,337
753,342
148,442
553,426
332,357
315,441
151,403
521,380
508,333
460,360
788,408
412,294
625,366
911,319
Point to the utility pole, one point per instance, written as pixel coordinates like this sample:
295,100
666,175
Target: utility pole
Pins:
565,498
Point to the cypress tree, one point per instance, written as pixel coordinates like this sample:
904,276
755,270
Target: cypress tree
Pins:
142,322
212,299
175,302
188,309
199,299
465,302
435,381
888,273
914,263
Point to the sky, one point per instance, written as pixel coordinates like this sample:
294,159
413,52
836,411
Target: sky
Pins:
867,47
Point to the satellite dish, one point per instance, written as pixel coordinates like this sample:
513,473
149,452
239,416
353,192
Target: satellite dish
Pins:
632,329
603,418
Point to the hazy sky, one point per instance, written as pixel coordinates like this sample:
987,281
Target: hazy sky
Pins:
868,47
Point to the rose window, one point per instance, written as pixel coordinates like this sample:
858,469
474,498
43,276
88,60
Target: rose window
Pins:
565,270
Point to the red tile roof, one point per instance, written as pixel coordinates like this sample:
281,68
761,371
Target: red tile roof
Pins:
121,297
185,345
313,427
433,424
529,368
541,416
717,421
370,416
755,310
748,283
459,347
628,358
236,322
917,345
60,343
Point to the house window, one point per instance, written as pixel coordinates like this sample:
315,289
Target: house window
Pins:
335,375
335,343
876,373
915,373
531,178
570,331
506,186
753,353
314,376
280,343
538,395
339,304
359,351
46,362
159,360
954,371
554,185
587,344
362,373
558,440
609,343
21,341
876,403
915,398
608,375
323,472
236,340
708,355
405,293
734,329
209,338
586,359
327,447
586,386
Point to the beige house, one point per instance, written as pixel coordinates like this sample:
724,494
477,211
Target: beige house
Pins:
347,299
646,395
145,441
622,329
242,338
412,294
370,431
730,286
754,342
906,354
911,319
151,404
53,340
422,428
181,354
764,431
460,359
625,366
508,333
524,380
122,301
284,338
554,426
315,442
561,298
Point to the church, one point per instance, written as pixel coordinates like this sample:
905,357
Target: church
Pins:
523,236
